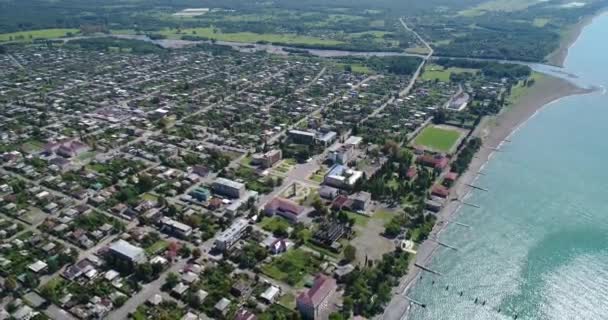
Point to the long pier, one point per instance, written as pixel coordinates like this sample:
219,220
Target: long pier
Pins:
427,269
444,244
476,187
415,301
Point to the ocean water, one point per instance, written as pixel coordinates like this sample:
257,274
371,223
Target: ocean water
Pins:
538,246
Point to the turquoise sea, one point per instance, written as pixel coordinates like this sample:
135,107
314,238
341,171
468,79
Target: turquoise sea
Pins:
538,247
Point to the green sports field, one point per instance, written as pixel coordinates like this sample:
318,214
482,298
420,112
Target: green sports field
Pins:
437,139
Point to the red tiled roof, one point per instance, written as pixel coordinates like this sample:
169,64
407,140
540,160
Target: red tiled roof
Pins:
285,205
441,191
321,288
451,176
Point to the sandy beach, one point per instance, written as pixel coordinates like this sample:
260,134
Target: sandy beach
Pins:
494,131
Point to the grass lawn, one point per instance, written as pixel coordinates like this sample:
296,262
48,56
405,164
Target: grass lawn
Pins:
383,215
319,175
248,37
28,36
521,89
438,139
292,267
436,72
32,146
274,223
360,220
288,301
541,22
149,197
157,247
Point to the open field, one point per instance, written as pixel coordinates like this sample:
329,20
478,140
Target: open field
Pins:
435,72
437,138
498,5
522,88
247,37
28,36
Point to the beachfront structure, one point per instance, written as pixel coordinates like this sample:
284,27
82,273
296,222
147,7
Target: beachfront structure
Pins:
229,188
313,303
227,238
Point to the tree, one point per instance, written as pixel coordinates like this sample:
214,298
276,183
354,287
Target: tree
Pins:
336,316
350,253
185,251
196,253
10,284
171,281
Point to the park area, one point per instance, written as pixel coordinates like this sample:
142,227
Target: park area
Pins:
438,138
435,72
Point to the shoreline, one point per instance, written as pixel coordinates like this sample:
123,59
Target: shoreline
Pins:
558,57
493,131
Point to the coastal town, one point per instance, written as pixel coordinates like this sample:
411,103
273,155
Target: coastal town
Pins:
203,182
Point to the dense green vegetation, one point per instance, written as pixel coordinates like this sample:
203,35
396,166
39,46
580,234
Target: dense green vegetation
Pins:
490,69
520,30
368,289
107,44
466,155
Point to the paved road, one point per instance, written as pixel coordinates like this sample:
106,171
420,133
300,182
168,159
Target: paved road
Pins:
147,291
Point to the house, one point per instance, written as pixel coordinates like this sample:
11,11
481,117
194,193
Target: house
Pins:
440,191
244,314
313,303
66,148
285,208
228,188
270,294
37,266
411,174
176,228
179,289
279,246
438,162
227,238
361,200
128,252
353,141
329,193
222,306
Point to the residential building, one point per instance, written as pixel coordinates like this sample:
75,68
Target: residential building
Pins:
244,314
268,159
227,238
201,194
301,137
313,303
228,188
128,252
361,200
341,155
175,227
